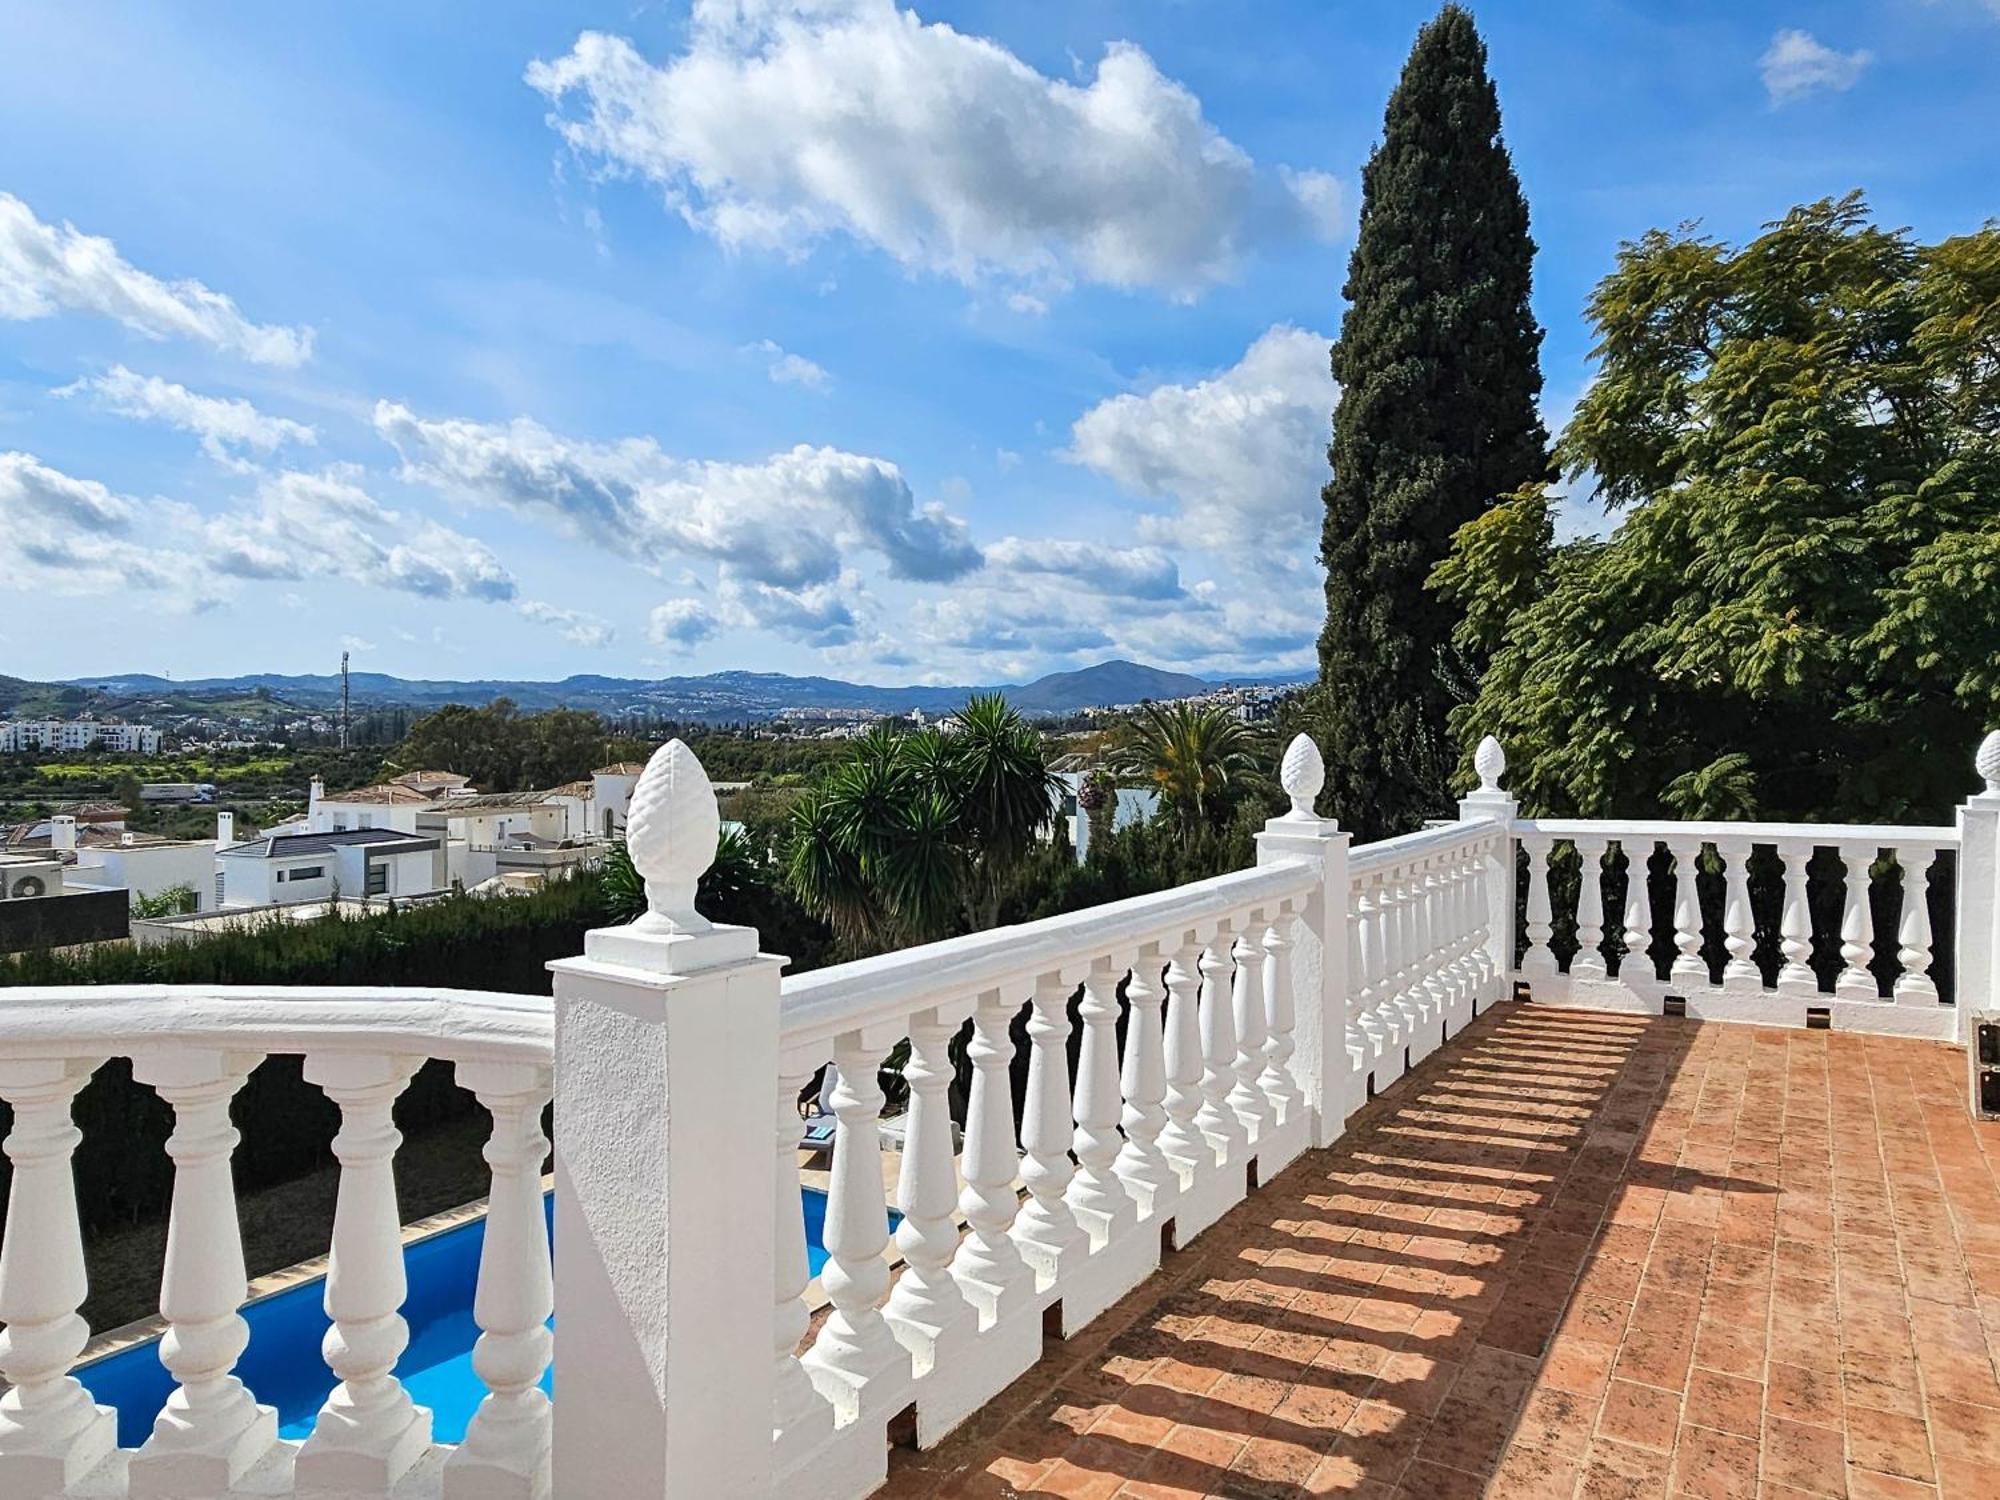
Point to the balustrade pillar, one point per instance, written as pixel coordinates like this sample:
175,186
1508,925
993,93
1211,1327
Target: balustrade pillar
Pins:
856,1355
989,1265
1276,1081
1046,1229
1689,969
800,1416
1914,986
1096,1195
1538,961
1181,1140
369,1434
1588,963
1740,974
1141,1163
51,1432
212,1431
506,1451
1370,952
1216,1120
1795,976
1635,962
1857,928
928,1310
1246,998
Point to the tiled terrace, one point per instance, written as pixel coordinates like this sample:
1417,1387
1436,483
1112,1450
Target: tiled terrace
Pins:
1575,1254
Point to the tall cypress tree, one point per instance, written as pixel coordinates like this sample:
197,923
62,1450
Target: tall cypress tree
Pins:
1439,371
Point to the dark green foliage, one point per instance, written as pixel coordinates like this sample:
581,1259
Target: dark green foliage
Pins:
1438,364
1799,614
1199,759
504,750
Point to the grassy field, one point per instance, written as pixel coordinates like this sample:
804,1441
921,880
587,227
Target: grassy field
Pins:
198,768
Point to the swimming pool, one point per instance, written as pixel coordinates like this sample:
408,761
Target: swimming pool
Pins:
283,1367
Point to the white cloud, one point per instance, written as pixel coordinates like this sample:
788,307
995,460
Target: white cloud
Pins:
30,491
51,268
227,426
1240,456
681,623
1127,572
574,624
785,121
327,526
356,643
64,535
1797,64
786,368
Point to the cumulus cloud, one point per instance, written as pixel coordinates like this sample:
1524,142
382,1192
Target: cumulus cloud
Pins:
573,624
1127,572
1238,458
51,268
785,121
327,526
1797,64
31,492
786,368
63,535
228,427
681,624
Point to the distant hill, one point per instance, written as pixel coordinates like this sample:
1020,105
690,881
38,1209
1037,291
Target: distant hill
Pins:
714,696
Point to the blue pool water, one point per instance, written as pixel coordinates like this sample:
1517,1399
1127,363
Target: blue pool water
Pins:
283,1365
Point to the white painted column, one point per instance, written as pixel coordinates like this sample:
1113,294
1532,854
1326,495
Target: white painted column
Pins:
1589,960
989,1265
1857,928
212,1431
1690,970
1538,962
51,1433
666,1058
928,1310
1246,1004
1181,1140
1046,1230
506,1451
1280,1021
1914,986
1978,927
1365,970
1095,1194
800,1416
1496,806
1324,1002
1140,1163
1740,974
1795,977
1635,962
1216,1119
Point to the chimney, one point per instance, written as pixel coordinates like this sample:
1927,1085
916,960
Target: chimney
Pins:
225,829
312,805
125,837
62,834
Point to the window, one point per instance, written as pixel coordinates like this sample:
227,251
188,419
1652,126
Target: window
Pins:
378,880
305,872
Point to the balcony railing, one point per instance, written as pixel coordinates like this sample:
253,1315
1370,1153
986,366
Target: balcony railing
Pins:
1179,1047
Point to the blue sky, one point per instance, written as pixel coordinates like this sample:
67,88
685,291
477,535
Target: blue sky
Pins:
801,335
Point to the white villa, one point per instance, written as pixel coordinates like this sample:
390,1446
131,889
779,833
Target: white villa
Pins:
78,734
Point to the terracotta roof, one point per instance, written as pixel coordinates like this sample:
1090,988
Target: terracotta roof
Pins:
449,780
24,836
387,791
97,812
485,802
622,768
571,789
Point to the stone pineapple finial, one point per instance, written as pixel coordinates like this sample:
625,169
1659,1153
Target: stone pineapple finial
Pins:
1987,761
1302,774
671,832
1490,761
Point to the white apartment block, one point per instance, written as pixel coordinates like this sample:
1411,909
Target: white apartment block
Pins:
78,734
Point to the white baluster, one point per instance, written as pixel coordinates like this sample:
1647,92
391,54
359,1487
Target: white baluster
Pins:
1246,1002
855,1349
1689,968
1795,925
928,1310
1464,970
989,1265
1371,952
505,1455
1392,914
1424,997
1046,1230
1857,929
1914,986
212,1431
1588,962
1362,1044
51,1433
1280,1020
1538,960
1486,978
1635,964
1740,974
369,1434
1434,929
1216,1119
1096,1195
799,1414
1141,1164
1181,1141
1405,985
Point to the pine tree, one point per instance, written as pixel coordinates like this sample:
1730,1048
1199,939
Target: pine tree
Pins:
1439,372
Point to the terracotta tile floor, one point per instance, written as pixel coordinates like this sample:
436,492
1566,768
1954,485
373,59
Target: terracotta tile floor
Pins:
1574,1255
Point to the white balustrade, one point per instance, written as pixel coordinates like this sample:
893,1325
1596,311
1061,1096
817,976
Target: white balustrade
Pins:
1914,986
1857,928
1046,1228
369,1434
1216,1119
989,1265
1096,1195
1246,1096
1689,967
928,1310
1740,972
505,1454
1141,1162
1588,962
212,1432
1635,963
1181,1140
1280,1021
1538,961
1795,975
800,1416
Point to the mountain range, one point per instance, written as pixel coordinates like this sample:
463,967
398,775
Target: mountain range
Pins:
714,696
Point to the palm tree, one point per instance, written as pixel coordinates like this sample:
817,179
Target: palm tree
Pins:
1197,758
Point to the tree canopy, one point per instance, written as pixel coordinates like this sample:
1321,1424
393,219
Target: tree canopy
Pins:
1438,364
1799,611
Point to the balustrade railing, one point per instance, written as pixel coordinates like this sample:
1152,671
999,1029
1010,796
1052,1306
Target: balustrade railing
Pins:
1078,1094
